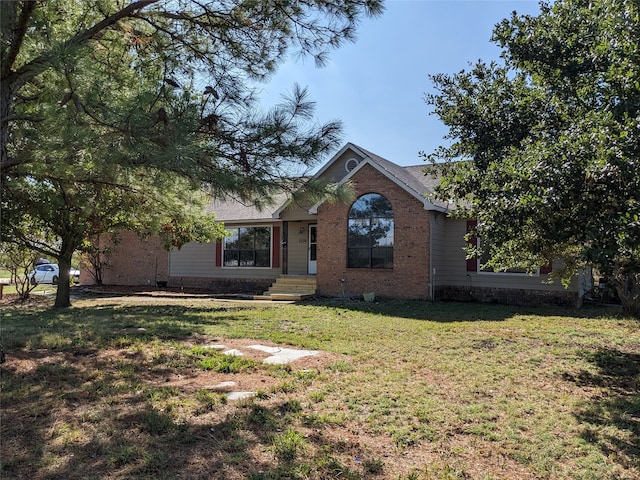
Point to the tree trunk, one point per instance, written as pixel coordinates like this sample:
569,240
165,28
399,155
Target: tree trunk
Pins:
63,299
628,287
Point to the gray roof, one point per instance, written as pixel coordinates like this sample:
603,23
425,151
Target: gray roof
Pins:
412,178
231,209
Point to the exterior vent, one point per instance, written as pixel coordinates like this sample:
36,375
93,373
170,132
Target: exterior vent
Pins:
351,164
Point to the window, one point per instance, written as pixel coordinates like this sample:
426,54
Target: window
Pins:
475,264
370,235
248,247
484,258
351,164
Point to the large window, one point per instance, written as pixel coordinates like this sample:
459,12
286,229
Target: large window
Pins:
248,247
370,236
484,258
475,264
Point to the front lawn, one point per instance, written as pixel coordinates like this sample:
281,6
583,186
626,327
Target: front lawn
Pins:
121,387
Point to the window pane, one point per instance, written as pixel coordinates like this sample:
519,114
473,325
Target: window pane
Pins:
231,242
382,257
359,233
371,205
246,241
360,208
382,232
484,258
263,258
230,258
247,258
359,258
380,207
262,238
313,248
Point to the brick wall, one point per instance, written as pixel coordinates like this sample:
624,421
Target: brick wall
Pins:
409,277
509,296
224,285
134,262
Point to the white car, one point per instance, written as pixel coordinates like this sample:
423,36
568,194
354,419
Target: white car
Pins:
49,273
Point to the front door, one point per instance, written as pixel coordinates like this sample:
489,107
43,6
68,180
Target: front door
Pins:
313,244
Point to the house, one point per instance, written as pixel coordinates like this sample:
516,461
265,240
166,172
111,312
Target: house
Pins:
393,240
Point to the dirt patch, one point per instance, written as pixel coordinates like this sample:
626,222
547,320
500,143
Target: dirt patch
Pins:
187,379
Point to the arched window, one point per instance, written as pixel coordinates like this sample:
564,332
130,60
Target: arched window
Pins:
370,236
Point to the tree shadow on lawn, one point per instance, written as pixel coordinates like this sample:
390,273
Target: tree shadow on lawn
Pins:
612,418
93,327
54,426
446,312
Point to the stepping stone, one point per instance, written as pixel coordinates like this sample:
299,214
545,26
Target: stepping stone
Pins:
216,346
233,353
222,386
282,356
265,349
235,396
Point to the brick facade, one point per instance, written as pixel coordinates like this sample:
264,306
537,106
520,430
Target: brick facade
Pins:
242,286
409,277
134,261
509,296
145,262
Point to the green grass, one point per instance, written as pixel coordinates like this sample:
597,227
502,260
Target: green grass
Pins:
408,390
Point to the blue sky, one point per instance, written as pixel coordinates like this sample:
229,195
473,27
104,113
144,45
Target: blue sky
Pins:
376,85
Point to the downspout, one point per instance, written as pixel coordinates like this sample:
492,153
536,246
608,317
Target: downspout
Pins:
432,270
285,248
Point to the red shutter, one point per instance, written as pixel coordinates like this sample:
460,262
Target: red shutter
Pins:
275,248
472,263
218,253
546,269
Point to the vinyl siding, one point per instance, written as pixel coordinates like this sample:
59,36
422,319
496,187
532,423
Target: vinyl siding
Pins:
296,212
298,248
198,260
193,260
337,171
452,260
438,247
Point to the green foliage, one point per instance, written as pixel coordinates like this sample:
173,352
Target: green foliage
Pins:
19,261
221,363
119,116
288,445
551,141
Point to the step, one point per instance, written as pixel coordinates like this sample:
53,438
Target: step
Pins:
292,288
291,296
299,286
301,279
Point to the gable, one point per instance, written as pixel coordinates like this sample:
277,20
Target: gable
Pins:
341,164
400,178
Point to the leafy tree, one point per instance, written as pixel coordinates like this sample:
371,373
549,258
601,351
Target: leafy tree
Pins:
19,261
551,141
119,115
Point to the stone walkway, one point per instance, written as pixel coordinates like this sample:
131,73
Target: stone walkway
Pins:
278,356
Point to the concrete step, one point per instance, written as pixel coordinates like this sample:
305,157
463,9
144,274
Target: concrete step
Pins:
296,279
292,289
303,286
